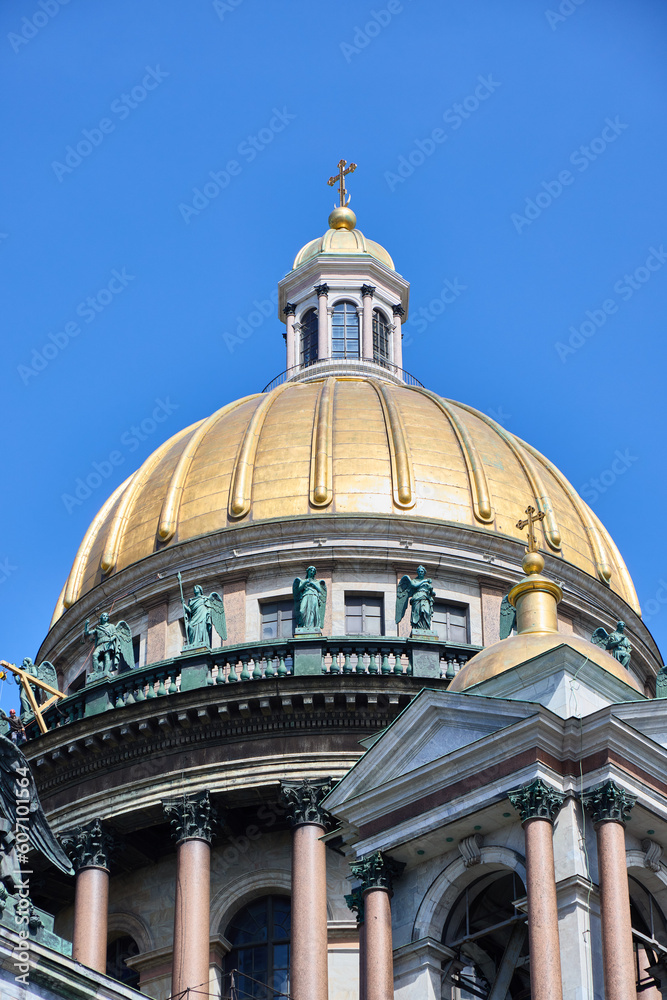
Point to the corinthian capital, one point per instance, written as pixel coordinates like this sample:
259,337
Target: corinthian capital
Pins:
303,800
536,800
89,846
377,871
609,801
190,816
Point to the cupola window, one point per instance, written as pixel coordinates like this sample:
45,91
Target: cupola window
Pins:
345,331
309,338
380,338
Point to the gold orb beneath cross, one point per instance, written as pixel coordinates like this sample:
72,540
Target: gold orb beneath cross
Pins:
342,218
533,562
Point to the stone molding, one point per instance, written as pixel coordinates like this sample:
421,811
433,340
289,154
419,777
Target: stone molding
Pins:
609,802
377,871
190,816
89,846
537,800
303,800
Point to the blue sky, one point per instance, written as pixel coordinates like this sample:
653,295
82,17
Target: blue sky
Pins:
514,149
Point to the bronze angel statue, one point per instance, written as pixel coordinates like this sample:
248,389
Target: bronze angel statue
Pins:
44,672
17,833
616,643
310,600
507,617
202,615
112,645
420,593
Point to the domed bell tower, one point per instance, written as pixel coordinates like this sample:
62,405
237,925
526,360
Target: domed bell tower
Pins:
343,303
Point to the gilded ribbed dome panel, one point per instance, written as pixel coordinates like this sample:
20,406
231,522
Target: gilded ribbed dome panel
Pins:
342,446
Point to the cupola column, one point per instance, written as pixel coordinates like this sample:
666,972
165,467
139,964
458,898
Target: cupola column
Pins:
377,872
397,355
309,973
191,817
367,293
89,848
538,805
323,349
610,808
290,337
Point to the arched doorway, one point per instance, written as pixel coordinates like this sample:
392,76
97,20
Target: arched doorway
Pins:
259,959
489,936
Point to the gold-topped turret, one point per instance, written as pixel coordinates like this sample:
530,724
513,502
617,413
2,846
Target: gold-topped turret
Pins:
535,598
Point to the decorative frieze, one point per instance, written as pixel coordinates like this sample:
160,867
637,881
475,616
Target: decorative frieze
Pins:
536,800
191,816
89,846
377,871
609,801
303,800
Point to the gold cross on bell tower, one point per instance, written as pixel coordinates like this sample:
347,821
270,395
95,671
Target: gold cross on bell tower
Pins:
532,519
340,177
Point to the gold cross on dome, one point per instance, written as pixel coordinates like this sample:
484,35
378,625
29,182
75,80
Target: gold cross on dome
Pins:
340,177
532,519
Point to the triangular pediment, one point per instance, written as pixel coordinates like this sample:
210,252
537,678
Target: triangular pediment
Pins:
434,725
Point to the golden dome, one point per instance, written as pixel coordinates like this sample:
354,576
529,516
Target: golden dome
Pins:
341,446
343,241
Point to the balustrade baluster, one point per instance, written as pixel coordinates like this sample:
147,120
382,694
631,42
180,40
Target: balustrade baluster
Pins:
119,697
173,689
150,678
347,669
398,666
360,666
385,668
257,665
372,663
245,674
269,670
334,667
282,669
129,695
220,676
161,689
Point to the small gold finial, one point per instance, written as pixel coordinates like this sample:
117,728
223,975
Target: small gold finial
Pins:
340,177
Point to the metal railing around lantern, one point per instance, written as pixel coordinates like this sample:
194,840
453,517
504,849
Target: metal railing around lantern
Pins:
323,367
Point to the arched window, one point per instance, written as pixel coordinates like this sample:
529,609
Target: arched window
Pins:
119,949
260,937
649,935
309,338
490,936
345,331
380,338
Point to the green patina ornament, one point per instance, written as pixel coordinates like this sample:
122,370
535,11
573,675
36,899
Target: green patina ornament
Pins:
310,600
112,646
616,643
661,684
609,801
421,594
536,800
377,871
507,618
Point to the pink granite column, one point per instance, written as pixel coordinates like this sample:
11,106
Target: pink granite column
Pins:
538,804
323,346
290,338
377,872
309,974
355,902
367,293
610,807
89,848
190,817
